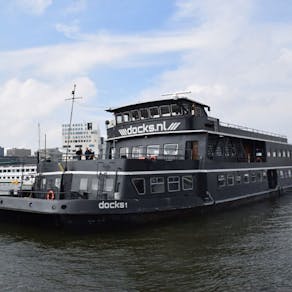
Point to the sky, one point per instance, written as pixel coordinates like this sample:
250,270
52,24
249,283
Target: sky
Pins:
235,56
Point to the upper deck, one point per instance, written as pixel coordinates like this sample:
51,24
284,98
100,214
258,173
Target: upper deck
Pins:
175,115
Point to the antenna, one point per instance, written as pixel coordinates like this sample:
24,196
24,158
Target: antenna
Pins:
177,94
73,98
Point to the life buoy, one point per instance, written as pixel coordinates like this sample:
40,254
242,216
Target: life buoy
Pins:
50,195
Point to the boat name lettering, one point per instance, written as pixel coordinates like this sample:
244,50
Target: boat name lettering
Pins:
112,205
144,128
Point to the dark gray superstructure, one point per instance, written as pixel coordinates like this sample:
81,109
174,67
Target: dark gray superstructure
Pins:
164,158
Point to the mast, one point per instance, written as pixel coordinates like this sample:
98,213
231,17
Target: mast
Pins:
73,98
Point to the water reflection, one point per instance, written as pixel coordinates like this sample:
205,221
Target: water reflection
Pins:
237,250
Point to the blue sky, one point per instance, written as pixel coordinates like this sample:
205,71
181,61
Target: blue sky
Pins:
235,56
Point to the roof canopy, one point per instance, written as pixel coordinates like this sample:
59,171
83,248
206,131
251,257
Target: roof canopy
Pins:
156,103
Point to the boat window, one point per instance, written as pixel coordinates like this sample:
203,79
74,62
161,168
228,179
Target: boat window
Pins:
119,119
170,149
289,173
137,151
126,117
144,113
230,180
284,153
108,184
124,152
83,184
259,176
157,185
221,180
139,185
154,113
153,150
175,110
165,111
269,154
274,154
281,174
58,182
238,178
44,181
113,153
288,153
135,115
187,183
264,175
173,183
279,153
253,177
94,184
246,178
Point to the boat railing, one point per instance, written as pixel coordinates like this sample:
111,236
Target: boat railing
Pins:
229,125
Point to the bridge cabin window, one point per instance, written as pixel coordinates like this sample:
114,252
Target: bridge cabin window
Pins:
165,111
175,110
253,177
154,113
119,119
135,115
144,113
126,117
94,184
157,185
83,184
108,184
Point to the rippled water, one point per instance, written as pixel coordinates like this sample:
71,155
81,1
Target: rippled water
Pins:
245,249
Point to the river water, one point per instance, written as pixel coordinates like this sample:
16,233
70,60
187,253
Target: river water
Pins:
244,249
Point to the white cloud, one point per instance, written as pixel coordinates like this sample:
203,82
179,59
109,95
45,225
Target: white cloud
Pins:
33,6
27,102
240,67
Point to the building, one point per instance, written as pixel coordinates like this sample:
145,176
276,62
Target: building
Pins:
82,135
1,151
18,152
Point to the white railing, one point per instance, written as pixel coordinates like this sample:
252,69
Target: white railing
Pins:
252,130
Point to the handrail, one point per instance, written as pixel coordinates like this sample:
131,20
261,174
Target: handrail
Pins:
229,125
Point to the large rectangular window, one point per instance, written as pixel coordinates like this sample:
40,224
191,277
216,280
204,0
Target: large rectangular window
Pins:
173,183
153,150
137,151
83,184
124,152
157,185
170,149
175,110
135,115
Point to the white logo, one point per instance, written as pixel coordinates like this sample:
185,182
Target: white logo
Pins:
144,128
112,205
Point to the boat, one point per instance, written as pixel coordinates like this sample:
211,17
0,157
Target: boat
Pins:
164,159
17,174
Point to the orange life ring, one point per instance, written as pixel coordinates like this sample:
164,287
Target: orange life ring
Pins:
50,195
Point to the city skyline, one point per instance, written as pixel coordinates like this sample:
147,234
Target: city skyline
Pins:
234,56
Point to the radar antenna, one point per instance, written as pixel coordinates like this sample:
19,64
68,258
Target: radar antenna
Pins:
177,94
73,99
